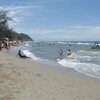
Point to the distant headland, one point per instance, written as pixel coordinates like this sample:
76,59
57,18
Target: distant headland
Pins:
7,32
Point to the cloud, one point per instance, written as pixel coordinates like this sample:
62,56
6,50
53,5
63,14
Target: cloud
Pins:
18,12
16,8
68,32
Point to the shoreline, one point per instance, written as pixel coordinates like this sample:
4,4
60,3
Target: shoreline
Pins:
53,64
78,67
27,80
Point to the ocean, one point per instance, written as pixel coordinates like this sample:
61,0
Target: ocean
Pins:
83,59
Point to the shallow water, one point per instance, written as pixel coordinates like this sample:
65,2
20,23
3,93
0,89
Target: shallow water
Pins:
82,59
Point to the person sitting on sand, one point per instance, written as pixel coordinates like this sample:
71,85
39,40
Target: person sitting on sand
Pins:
68,52
21,55
60,52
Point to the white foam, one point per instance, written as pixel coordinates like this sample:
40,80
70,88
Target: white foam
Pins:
81,43
29,54
33,57
26,44
61,42
89,69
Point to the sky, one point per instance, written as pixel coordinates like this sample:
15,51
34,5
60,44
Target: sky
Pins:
57,20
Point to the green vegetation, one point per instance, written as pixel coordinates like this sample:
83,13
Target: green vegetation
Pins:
6,32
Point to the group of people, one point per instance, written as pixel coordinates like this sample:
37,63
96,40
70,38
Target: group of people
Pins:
60,51
4,44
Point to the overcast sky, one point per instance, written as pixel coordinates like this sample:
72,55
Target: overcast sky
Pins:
55,19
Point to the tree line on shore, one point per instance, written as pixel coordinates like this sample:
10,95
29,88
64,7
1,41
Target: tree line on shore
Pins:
7,32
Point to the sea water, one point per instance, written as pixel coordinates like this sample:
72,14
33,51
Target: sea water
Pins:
83,59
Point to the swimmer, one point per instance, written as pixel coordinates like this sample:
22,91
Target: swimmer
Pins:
68,52
60,52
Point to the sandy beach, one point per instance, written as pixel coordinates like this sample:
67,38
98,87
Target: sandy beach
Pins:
22,79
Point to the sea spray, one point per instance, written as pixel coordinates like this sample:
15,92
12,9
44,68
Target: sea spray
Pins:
29,54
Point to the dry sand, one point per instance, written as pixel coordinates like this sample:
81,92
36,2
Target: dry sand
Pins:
28,80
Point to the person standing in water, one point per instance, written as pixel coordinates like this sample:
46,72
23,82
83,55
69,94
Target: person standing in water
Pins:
60,52
68,52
